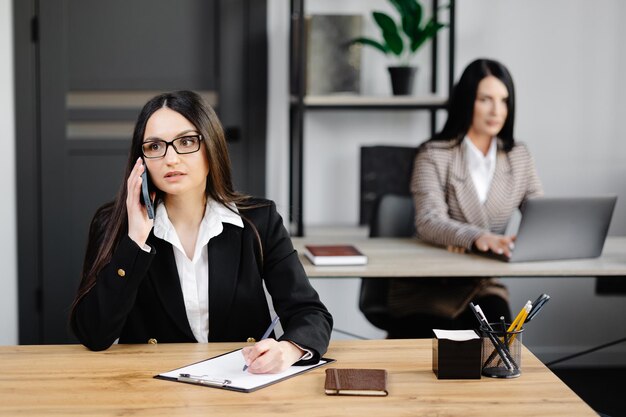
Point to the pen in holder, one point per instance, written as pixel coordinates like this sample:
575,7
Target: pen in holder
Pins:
502,351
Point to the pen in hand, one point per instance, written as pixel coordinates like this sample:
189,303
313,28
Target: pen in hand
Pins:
266,334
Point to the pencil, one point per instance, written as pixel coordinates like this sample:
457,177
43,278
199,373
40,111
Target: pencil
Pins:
522,320
517,318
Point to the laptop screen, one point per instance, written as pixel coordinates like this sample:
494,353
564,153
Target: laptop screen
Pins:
554,228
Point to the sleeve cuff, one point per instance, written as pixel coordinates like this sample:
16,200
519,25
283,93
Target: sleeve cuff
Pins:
308,354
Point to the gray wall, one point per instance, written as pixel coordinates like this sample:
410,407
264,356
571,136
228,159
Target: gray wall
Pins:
8,253
568,65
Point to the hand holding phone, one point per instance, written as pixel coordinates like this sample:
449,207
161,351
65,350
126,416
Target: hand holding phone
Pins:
145,194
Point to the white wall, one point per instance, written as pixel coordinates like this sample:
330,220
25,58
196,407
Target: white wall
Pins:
8,243
568,65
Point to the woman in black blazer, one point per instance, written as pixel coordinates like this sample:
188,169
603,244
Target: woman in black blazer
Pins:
146,280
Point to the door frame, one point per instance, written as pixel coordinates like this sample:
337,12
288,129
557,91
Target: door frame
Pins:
31,118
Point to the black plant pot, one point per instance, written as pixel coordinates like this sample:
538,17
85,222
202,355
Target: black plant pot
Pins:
402,80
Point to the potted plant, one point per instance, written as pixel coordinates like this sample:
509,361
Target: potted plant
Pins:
402,40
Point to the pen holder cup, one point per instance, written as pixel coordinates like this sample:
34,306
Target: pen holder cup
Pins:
502,352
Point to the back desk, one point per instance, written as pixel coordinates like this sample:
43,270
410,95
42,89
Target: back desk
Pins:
70,380
405,257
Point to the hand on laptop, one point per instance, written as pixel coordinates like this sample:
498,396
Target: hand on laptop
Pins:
502,245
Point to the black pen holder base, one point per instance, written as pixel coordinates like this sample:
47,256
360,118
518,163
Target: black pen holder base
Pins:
499,372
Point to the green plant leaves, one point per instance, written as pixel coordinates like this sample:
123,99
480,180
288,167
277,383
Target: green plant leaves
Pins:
410,29
430,29
392,38
371,42
410,15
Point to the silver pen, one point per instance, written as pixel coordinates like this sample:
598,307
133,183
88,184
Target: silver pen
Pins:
203,380
266,335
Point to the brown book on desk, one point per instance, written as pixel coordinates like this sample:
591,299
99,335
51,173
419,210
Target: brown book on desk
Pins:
356,382
334,255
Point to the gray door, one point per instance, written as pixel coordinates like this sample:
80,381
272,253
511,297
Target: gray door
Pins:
92,66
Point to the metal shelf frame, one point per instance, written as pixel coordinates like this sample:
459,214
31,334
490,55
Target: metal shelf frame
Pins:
299,103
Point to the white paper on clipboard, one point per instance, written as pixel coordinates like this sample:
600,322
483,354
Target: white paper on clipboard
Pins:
229,367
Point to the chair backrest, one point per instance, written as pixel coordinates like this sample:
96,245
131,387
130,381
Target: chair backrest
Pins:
393,216
384,170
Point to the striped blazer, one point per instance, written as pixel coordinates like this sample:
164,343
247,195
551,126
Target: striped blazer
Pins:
448,213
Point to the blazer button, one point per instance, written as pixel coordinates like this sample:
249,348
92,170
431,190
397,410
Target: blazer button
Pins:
121,272
152,341
250,340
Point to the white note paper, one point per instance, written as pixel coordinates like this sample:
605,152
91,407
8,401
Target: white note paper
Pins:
456,335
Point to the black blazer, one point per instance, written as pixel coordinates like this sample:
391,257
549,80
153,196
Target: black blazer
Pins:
138,297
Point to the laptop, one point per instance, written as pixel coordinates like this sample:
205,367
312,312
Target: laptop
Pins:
554,228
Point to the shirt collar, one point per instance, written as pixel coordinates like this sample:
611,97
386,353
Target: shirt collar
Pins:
215,214
222,213
476,157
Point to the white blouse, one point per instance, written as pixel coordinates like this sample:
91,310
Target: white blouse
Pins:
481,167
194,273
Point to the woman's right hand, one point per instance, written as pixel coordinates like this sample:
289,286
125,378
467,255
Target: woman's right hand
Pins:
139,225
502,245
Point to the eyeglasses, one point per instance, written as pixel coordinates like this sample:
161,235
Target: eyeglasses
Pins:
157,148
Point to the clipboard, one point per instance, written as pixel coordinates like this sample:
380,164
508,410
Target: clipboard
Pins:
225,372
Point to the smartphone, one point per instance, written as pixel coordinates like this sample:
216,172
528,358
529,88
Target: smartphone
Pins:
145,194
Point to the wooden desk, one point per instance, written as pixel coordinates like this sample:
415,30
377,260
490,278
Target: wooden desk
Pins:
70,380
404,257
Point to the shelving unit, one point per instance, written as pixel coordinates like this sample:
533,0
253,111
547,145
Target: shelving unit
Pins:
299,103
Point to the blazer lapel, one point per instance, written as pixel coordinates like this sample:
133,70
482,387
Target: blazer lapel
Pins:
464,190
501,185
224,255
167,285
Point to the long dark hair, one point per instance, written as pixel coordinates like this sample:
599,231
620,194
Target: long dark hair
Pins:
110,222
461,103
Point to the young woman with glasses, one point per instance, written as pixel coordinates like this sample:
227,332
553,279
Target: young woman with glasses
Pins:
196,272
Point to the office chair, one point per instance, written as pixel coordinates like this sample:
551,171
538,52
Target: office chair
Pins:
392,216
384,170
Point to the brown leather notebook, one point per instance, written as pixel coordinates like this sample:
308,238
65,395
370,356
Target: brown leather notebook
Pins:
356,382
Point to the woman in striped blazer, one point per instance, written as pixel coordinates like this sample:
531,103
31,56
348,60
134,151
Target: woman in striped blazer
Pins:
467,182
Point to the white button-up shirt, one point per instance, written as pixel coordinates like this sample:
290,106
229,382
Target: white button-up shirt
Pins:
481,167
194,273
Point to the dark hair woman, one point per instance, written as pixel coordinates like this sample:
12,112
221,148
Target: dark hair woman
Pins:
461,103
196,272
467,182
